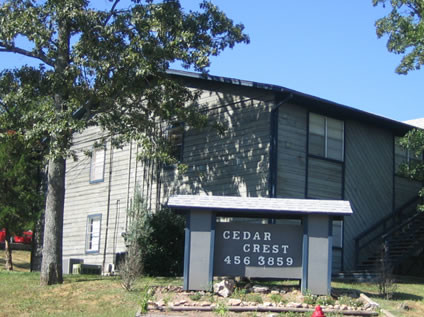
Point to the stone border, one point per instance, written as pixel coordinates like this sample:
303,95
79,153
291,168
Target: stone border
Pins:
260,308
369,307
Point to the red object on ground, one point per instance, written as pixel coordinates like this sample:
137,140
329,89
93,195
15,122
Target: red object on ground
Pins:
318,312
25,238
2,235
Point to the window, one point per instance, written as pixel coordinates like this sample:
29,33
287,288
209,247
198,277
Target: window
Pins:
92,244
97,165
337,233
175,136
326,137
404,156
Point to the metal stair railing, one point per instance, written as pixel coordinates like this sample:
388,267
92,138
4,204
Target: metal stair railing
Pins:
372,236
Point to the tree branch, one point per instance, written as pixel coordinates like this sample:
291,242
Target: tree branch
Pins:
4,47
111,12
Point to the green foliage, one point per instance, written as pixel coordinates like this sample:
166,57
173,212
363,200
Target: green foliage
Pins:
155,241
413,142
195,297
254,297
146,295
108,67
276,298
309,298
349,301
405,29
164,245
239,293
21,197
221,309
325,300
138,228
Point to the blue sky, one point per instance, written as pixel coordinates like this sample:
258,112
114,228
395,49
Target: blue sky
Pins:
326,48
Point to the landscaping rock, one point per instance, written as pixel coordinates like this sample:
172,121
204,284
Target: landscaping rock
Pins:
224,288
234,302
179,303
260,289
160,303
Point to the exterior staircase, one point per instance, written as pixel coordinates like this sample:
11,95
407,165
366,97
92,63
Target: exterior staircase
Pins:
397,246
389,245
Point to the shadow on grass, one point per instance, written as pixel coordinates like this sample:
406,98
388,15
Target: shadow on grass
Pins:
353,292
76,278
406,296
16,265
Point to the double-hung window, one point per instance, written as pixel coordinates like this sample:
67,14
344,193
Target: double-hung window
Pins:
92,239
97,165
175,135
326,137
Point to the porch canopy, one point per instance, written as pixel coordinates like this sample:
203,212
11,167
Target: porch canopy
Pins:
258,206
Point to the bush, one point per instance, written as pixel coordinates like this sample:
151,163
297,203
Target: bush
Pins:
138,229
163,246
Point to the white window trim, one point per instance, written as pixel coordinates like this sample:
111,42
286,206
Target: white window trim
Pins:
89,234
94,157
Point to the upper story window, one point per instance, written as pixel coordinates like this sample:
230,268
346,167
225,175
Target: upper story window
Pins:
326,137
175,136
97,165
404,156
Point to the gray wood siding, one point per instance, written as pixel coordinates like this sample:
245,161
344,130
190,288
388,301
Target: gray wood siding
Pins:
405,190
110,199
291,158
368,180
324,179
233,163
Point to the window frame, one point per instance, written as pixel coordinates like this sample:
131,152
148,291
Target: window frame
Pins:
178,153
326,137
89,233
94,155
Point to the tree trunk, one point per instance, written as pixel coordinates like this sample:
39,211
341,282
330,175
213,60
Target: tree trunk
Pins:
51,265
8,253
37,244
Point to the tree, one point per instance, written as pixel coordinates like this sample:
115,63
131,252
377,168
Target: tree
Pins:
21,153
20,199
405,27
108,68
413,142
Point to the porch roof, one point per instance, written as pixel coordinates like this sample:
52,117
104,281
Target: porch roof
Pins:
258,205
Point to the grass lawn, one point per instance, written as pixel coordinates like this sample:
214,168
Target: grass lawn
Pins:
79,295
409,292
89,295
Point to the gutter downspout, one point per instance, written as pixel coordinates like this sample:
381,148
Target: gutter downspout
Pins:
273,155
108,204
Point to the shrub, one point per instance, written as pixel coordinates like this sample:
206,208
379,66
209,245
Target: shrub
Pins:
164,244
132,265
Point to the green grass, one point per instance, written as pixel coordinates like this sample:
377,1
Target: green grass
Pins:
93,295
20,260
79,295
409,292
